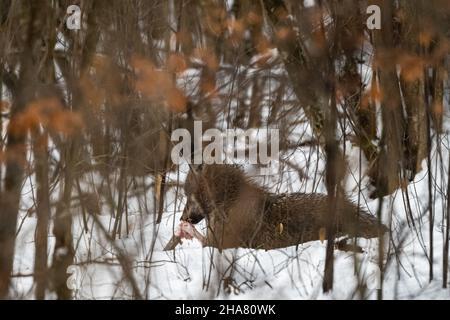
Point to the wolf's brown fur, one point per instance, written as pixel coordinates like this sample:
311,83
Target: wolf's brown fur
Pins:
241,214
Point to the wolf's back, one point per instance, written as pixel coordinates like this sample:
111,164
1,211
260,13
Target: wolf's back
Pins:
308,213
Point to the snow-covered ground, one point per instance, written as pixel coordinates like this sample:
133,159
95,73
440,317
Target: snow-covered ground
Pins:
193,272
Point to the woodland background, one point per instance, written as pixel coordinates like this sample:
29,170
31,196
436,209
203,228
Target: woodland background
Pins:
86,178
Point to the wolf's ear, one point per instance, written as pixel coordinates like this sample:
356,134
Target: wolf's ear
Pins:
197,168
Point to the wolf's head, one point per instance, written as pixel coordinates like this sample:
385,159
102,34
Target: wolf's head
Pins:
209,188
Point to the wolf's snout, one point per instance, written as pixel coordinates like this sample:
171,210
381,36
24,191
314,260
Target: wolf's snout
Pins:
192,212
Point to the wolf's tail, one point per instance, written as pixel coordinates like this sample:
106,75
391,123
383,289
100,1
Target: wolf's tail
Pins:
368,226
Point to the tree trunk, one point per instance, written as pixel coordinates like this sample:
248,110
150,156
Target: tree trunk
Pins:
15,146
42,213
62,230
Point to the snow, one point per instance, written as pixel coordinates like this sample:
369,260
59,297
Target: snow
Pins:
194,272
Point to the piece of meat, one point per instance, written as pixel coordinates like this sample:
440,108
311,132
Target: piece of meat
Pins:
186,230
